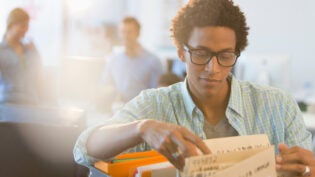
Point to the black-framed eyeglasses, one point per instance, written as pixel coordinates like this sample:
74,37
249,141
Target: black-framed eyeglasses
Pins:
200,56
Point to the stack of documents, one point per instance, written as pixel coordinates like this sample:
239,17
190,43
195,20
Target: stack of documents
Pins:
239,156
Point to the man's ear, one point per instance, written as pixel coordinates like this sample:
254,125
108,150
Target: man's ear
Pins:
181,55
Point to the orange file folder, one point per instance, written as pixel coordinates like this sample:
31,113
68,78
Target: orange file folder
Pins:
124,165
146,173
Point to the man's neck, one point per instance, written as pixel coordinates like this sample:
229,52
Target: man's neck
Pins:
12,42
133,50
217,100
214,107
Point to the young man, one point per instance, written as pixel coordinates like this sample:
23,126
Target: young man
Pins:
210,103
134,69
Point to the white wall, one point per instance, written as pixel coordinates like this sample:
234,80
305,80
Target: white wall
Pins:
45,25
284,27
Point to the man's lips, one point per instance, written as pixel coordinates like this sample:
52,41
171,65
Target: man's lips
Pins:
210,80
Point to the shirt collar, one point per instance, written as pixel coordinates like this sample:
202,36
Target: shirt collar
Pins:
4,42
235,100
189,103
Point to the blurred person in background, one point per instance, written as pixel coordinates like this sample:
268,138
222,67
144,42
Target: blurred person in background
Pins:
131,70
168,79
20,63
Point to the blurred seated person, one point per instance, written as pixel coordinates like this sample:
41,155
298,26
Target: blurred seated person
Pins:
20,63
133,69
168,78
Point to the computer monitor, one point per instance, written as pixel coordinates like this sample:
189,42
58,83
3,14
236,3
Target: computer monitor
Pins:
264,69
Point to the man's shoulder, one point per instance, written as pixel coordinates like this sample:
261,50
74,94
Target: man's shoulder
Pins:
116,54
169,92
4,50
115,57
3,46
253,89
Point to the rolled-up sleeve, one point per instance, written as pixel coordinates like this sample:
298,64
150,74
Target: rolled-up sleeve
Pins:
80,151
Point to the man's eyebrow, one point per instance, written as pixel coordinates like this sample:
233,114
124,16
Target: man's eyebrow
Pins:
200,47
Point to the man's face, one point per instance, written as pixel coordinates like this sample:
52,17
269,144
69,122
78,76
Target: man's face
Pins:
129,34
19,29
209,79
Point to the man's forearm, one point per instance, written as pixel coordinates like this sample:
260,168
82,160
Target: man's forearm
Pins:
108,141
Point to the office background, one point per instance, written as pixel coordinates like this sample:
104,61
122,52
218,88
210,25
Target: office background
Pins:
87,29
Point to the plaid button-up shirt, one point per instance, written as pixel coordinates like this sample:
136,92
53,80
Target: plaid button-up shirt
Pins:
252,109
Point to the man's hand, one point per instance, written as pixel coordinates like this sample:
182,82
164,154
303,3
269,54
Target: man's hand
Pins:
295,160
173,141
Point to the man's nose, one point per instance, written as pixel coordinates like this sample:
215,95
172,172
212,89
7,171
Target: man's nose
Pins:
212,65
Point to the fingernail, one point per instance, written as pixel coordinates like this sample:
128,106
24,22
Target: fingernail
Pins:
278,159
278,166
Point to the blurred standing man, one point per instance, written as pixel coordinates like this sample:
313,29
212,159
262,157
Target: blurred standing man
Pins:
20,64
134,69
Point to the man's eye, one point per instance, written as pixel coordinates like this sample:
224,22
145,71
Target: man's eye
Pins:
201,53
227,56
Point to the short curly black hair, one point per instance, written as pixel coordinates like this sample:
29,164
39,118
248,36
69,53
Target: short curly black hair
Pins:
201,13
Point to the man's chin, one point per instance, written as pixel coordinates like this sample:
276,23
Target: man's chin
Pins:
21,36
209,92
